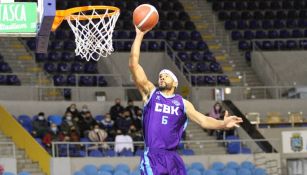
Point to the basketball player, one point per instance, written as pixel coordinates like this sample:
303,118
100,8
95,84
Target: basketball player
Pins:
165,117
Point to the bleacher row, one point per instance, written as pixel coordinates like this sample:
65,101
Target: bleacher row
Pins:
6,78
276,23
174,26
195,168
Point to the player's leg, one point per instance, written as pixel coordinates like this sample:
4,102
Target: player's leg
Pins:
175,165
153,164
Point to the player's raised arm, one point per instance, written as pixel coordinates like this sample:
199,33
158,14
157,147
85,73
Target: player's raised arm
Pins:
138,74
209,122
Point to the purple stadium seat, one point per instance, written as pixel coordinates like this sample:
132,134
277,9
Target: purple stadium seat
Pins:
177,25
71,80
297,33
63,68
246,15
269,15
60,34
183,16
149,35
235,15
68,56
195,35
202,67
69,45
59,80
122,34
49,67
208,56
273,34
260,34
56,45
171,15
209,80
241,24
191,67
281,14
183,56
54,56
13,80
240,5
177,6
230,25
303,44
153,46
284,33
190,45
31,44
40,57
183,35
292,14
254,24
302,23
258,15
177,45
251,5
275,5
189,25
159,35
164,25
171,35
90,68
5,68
229,5
202,46
280,45
244,45
249,35
267,45
267,24
2,80
292,44
291,23
264,5
76,68
196,56
215,67
279,24
223,15
87,81
236,35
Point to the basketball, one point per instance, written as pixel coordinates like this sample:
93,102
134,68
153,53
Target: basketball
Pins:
145,17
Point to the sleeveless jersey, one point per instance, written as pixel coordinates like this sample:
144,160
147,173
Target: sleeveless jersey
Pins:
164,120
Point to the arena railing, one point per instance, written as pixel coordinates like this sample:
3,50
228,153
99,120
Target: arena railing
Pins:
7,150
66,149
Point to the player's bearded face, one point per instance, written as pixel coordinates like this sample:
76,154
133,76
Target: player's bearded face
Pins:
165,82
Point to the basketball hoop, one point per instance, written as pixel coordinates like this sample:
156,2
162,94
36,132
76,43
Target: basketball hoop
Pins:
93,28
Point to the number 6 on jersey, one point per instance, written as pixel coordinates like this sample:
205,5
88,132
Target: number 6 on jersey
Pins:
164,120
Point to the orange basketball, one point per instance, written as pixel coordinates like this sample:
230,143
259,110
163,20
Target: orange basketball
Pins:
145,17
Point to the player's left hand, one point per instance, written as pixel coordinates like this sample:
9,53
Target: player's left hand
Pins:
231,121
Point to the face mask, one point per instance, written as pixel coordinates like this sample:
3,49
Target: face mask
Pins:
108,119
54,129
72,109
41,117
84,109
96,130
68,117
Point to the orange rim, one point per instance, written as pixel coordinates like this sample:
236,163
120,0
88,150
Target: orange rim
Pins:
62,14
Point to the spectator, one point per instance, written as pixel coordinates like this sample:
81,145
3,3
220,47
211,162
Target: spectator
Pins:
132,109
137,122
217,111
116,109
124,121
136,136
74,135
84,110
40,126
74,111
87,124
123,141
69,123
98,135
53,135
108,125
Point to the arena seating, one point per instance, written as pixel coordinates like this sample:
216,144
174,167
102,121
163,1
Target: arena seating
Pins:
174,26
280,24
6,78
195,168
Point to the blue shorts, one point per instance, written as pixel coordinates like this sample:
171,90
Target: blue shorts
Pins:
161,162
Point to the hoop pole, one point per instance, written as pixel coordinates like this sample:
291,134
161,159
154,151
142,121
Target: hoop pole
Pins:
68,13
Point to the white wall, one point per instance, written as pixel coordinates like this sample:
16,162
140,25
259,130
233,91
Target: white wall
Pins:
9,164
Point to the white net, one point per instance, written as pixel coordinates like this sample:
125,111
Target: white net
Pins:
93,34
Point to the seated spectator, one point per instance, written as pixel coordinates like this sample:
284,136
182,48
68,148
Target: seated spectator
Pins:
98,135
87,124
74,135
84,110
136,136
68,123
216,111
132,109
40,126
74,111
123,141
124,121
53,135
116,109
137,122
108,125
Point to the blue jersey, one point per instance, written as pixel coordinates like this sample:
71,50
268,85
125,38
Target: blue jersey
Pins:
164,120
